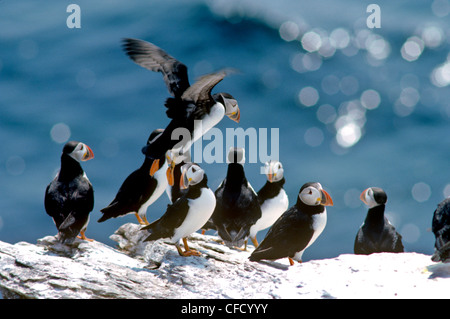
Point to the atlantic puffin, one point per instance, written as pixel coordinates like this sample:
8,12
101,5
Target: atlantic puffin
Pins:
188,213
139,190
376,234
69,198
441,228
237,207
297,228
188,104
175,162
271,197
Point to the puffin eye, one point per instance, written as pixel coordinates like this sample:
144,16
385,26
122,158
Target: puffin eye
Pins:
310,192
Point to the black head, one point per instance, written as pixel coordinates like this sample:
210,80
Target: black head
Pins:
230,104
152,138
312,194
373,196
78,151
154,135
222,96
69,147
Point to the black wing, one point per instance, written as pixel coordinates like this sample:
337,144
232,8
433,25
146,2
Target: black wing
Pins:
155,59
235,213
441,223
72,226
363,245
174,216
74,209
289,234
368,242
391,241
134,192
200,92
53,203
61,199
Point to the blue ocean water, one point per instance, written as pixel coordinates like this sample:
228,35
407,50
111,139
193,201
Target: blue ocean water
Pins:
355,107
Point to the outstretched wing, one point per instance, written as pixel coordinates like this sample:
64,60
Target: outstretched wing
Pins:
200,92
153,58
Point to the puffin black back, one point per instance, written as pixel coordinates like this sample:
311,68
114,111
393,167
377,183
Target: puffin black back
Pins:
69,198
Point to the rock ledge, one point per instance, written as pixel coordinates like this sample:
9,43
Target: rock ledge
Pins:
136,270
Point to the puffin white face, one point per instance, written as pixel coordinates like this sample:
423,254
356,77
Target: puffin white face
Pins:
191,174
274,171
82,152
175,156
368,197
314,195
231,107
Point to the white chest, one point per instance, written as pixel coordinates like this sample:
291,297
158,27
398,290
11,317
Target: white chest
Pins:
271,210
160,175
200,210
215,115
319,223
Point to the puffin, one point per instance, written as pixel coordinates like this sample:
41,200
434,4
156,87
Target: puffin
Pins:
69,198
441,228
376,234
271,197
175,161
138,191
188,213
297,228
189,106
237,207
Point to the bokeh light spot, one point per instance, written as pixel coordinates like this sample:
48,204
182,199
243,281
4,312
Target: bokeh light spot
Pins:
421,192
314,136
370,99
311,41
60,133
308,96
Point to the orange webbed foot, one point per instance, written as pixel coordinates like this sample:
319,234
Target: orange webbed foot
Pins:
83,236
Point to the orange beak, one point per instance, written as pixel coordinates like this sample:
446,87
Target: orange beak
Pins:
326,199
89,154
270,174
363,196
184,183
236,116
170,174
155,167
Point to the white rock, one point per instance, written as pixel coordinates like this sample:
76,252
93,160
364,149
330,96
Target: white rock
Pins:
155,270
